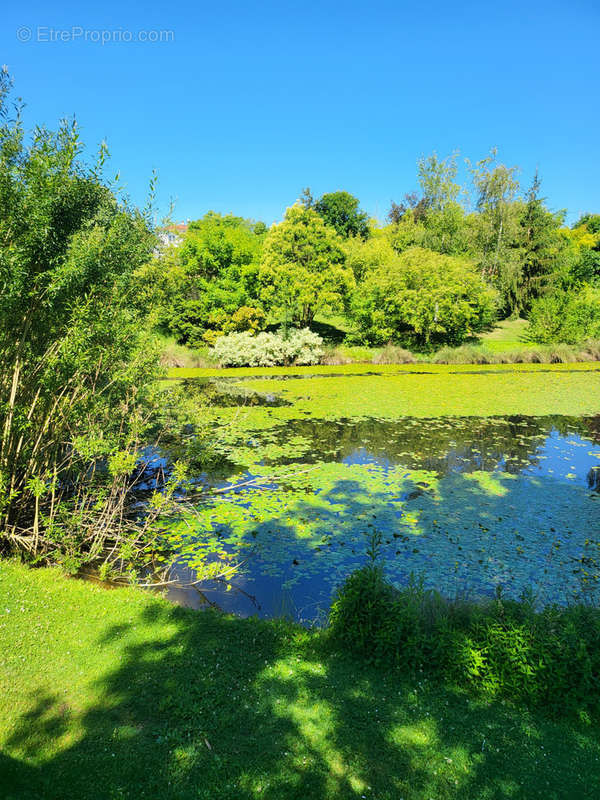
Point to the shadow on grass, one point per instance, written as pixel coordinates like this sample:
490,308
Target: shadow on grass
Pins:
182,704
330,333
202,705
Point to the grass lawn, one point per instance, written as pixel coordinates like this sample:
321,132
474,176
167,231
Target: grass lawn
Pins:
117,694
507,335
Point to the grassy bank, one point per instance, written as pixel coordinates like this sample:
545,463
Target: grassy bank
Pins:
506,335
506,343
115,694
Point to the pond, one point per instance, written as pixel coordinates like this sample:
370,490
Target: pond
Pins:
463,504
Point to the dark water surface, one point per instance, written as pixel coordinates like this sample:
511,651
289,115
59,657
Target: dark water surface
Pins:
463,504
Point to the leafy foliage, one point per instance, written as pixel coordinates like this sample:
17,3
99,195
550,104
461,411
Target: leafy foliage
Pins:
549,658
302,270
268,349
341,211
422,297
209,282
76,363
568,316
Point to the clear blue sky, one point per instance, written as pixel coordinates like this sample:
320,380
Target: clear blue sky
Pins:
249,102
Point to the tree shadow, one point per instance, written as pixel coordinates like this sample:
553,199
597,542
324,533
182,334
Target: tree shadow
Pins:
186,704
213,706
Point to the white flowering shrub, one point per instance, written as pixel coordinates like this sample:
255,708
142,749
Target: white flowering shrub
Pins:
304,347
268,349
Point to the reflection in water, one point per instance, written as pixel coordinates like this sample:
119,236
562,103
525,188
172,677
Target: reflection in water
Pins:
532,523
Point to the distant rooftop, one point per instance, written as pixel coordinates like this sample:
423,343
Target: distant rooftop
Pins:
179,226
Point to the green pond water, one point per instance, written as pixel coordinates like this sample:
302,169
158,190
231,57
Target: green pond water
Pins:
463,503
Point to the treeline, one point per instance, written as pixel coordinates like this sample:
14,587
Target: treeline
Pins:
448,261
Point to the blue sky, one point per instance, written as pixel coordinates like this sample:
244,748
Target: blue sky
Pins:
246,103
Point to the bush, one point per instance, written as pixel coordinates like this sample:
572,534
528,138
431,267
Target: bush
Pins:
246,318
78,369
200,322
423,298
548,658
566,316
268,349
362,616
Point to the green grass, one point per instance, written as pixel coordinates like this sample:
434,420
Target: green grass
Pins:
116,694
507,335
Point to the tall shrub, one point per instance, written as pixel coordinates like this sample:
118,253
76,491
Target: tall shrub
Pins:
75,364
421,297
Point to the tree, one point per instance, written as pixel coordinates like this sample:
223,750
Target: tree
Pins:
211,275
540,246
566,316
302,270
341,211
421,298
306,198
583,242
218,244
76,365
365,256
412,203
437,178
591,222
436,208
497,227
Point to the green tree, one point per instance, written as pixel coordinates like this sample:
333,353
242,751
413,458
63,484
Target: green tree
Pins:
76,366
302,270
591,222
215,245
569,316
423,298
583,242
437,210
437,179
341,211
364,256
540,245
496,227
409,231
209,277
412,203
